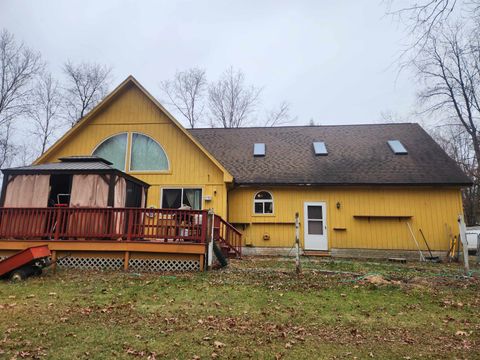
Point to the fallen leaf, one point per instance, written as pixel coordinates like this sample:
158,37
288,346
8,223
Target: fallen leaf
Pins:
218,344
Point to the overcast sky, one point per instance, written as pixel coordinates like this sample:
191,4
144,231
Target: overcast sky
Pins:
331,60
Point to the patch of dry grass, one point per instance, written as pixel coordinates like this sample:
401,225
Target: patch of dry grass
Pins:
256,308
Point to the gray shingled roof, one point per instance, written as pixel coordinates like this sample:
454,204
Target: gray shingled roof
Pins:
69,164
357,154
74,165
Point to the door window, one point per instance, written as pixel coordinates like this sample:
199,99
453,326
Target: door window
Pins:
315,220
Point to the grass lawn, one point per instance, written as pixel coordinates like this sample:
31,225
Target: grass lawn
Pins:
256,308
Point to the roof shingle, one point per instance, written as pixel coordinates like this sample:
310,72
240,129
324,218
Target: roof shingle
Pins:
357,154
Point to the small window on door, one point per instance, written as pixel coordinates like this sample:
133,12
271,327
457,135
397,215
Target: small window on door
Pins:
177,198
315,220
263,203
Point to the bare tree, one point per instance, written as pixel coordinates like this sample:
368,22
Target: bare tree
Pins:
18,67
86,85
449,65
45,109
279,115
458,144
231,102
424,18
7,149
186,92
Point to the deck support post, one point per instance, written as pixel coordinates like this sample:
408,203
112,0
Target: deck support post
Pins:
126,259
54,261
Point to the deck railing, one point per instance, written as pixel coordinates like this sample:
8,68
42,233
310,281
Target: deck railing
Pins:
122,224
227,235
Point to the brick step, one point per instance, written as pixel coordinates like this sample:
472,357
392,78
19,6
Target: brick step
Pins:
319,253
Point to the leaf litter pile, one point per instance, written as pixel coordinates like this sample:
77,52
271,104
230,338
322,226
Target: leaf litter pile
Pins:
255,308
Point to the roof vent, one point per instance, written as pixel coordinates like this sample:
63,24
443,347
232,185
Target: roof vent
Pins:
259,149
397,147
320,148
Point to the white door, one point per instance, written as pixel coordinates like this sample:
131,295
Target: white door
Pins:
315,226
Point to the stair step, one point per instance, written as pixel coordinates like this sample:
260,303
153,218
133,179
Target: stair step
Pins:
319,253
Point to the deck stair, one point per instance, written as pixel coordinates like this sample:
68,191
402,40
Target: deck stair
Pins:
228,238
317,253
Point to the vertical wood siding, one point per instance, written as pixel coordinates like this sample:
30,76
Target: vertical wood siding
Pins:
132,111
434,210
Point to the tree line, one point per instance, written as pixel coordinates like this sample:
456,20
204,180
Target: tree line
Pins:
36,104
33,100
227,102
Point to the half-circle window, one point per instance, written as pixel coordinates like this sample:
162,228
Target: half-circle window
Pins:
263,203
147,154
113,149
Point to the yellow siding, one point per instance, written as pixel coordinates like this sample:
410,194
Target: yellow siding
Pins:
432,209
132,111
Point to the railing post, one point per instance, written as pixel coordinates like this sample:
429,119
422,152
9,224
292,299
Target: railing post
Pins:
130,224
203,237
57,224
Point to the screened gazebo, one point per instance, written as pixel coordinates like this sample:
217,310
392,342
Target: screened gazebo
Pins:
76,181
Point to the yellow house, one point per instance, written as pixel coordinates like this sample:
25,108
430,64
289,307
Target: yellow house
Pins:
358,190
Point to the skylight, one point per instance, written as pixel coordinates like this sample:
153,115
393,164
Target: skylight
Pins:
320,148
397,147
259,149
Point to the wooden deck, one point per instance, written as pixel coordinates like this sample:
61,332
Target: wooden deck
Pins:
118,238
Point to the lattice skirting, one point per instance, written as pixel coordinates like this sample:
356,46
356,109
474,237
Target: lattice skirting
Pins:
93,263
139,265
160,265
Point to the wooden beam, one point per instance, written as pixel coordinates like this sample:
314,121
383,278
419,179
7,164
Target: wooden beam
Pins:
126,259
105,245
54,261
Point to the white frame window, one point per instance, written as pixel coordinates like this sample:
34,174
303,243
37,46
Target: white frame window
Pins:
109,138
182,195
132,140
263,205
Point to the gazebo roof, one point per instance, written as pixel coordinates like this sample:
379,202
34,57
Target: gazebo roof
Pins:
74,165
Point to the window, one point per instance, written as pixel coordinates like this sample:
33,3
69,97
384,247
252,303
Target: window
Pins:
397,147
263,203
320,148
259,149
147,154
113,149
176,198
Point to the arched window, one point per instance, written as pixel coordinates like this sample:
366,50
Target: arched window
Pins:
263,203
147,154
114,150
